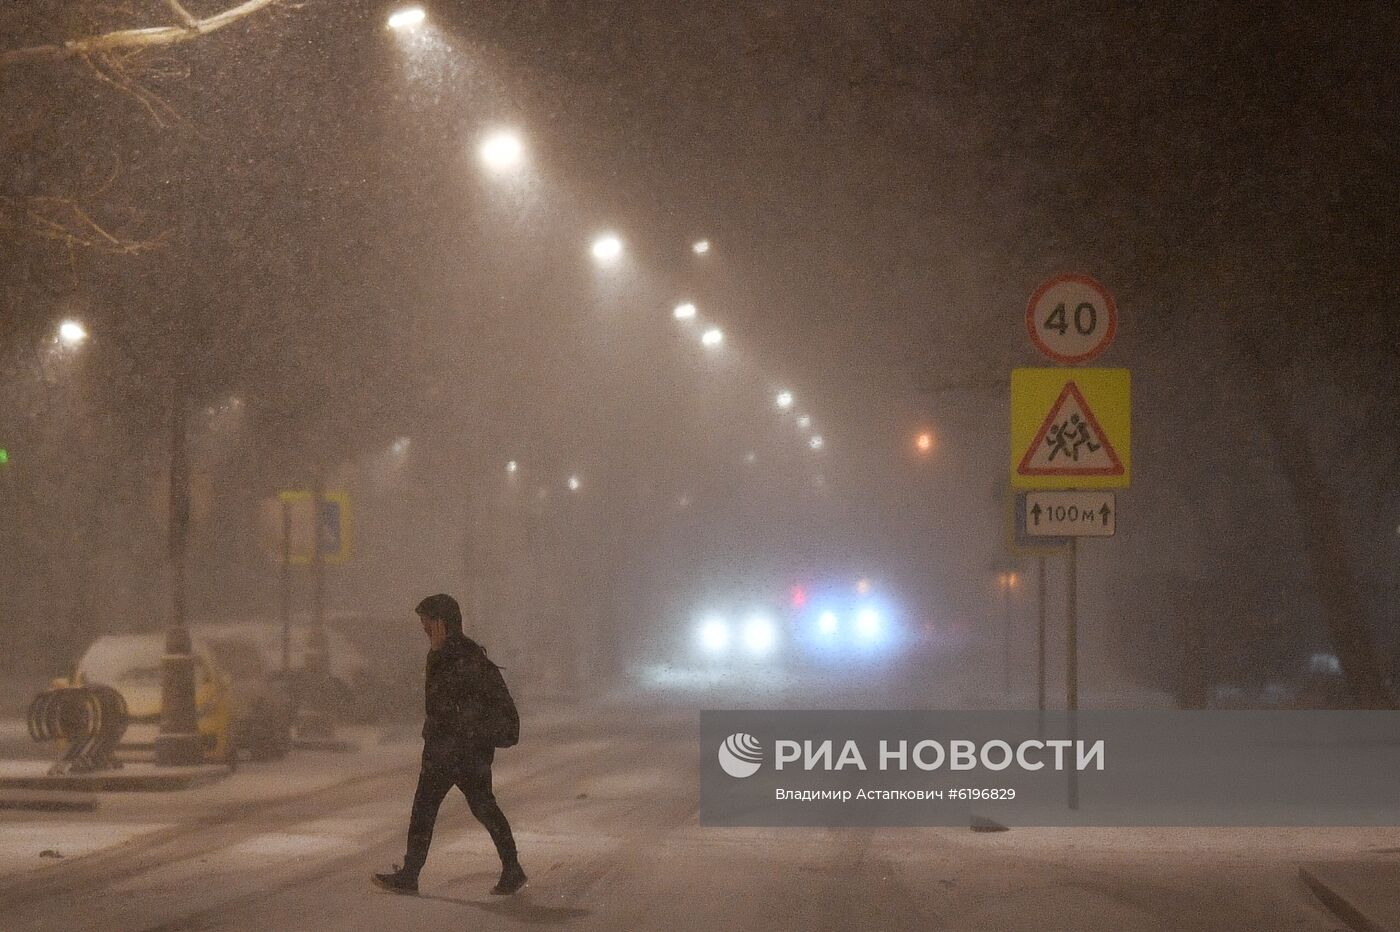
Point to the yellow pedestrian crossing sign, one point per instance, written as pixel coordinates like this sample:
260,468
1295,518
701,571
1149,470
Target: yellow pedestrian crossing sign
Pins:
1071,428
294,507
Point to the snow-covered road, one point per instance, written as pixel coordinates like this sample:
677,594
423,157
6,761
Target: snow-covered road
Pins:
605,810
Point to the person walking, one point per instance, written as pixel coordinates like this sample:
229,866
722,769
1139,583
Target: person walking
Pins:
469,715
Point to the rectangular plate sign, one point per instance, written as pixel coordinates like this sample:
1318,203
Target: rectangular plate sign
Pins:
1071,514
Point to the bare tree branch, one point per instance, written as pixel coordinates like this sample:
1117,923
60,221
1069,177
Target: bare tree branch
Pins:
108,69
61,220
182,14
136,39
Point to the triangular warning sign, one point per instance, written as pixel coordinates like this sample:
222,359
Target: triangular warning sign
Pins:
1070,442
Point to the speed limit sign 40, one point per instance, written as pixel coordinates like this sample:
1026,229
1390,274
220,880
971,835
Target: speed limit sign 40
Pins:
1071,319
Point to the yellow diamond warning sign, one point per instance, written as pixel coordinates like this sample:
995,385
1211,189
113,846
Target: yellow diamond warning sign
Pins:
1071,428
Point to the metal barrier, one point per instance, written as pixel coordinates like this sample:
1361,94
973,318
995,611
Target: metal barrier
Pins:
92,719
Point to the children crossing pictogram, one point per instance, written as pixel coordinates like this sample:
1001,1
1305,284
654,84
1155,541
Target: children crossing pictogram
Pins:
1070,442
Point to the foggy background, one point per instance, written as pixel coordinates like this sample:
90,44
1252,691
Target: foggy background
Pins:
283,233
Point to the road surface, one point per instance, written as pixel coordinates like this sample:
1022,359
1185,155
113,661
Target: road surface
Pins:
605,811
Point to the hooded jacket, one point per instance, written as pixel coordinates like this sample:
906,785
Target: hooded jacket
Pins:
453,694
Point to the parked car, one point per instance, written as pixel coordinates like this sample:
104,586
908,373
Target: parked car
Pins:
238,706
263,701
356,685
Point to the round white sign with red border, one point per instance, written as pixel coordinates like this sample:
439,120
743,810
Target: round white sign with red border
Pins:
1071,319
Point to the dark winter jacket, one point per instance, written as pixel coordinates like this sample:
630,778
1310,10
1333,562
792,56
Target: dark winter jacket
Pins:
453,693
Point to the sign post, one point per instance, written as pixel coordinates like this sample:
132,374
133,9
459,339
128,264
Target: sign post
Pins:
286,600
1071,437
1072,660
1040,645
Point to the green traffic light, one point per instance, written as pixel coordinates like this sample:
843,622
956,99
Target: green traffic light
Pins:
4,456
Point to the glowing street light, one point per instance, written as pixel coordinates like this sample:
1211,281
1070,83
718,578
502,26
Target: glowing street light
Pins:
804,422
607,248
512,467
502,151
784,399
400,446
816,443
700,247
712,338
407,18
71,333
923,443
684,311
574,483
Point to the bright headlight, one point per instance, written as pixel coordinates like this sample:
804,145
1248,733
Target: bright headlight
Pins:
759,635
714,635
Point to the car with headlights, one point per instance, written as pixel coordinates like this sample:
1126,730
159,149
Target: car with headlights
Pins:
846,622
839,622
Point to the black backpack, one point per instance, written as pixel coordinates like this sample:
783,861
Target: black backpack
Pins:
501,723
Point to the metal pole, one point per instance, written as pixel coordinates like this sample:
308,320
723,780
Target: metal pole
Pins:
318,572
1006,640
1072,663
320,723
1040,644
286,602
178,742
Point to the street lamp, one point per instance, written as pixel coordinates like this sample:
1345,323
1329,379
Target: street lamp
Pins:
607,248
71,333
816,443
574,483
784,399
512,468
804,422
684,311
502,151
712,338
407,18
923,443
700,247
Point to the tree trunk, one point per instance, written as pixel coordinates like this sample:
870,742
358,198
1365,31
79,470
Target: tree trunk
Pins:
1322,539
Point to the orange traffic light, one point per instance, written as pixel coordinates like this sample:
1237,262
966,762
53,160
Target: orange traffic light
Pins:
924,443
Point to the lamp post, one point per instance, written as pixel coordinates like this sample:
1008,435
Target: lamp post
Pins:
178,743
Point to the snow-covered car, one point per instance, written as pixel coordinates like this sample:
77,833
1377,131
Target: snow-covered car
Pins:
263,704
238,707
355,683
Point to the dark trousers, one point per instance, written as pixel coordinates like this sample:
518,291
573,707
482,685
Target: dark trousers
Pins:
469,769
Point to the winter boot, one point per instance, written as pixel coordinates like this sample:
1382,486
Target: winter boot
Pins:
512,879
397,881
